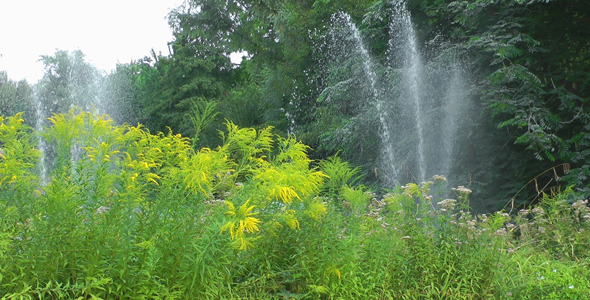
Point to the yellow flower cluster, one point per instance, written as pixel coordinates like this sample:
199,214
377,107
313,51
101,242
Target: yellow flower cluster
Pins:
241,221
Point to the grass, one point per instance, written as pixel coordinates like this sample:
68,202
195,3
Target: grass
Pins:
127,214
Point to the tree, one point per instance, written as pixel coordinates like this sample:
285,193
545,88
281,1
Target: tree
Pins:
68,81
274,85
129,91
534,60
199,67
16,97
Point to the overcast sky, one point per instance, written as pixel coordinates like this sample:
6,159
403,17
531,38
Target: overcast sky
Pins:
106,31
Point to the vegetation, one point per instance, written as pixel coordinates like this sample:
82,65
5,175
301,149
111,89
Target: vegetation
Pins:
15,97
130,214
167,200
527,64
529,86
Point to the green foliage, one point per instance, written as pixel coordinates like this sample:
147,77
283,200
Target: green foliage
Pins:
17,152
68,82
202,115
534,85
15,97
249,148
130,214
527,61
339,174
130,90
356,199
18,177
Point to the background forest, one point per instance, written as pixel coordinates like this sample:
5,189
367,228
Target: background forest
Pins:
528,67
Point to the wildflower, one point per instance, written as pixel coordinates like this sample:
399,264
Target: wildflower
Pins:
579,204
463,190
290,219
538,211
523,213
242,222
483,218
342,234
439,178
102,210
501,232
317,209
448,204
571,286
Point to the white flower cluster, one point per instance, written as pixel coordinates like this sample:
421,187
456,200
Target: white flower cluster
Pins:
439,178
463,190
447,204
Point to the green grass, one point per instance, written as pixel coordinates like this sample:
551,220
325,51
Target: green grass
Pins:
131,215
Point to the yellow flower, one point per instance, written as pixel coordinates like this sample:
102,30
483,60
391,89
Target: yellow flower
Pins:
152,177
242,221
290,219
335,271
316,210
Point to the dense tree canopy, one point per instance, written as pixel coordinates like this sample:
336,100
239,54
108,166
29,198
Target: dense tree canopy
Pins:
15,97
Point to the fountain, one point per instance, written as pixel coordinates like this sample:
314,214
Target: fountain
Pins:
416,105
368,68
404,56
40,117
69,82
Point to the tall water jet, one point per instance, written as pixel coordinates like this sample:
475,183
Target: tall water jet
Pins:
346,35
405,59
41,144
411,108
454,105
369,69
69,82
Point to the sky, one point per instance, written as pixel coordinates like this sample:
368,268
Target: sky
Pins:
106,31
